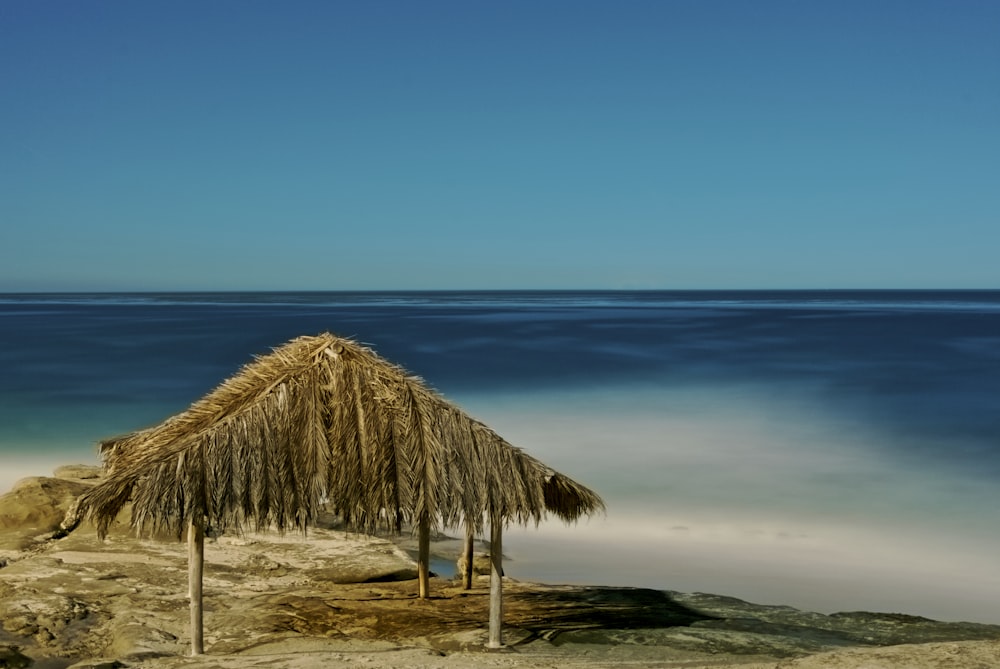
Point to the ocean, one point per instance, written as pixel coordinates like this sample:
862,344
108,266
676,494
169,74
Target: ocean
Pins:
828,450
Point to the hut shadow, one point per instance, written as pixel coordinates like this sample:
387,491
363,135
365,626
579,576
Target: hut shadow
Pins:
591,612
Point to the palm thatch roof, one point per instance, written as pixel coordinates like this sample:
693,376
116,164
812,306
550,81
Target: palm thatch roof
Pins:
324,421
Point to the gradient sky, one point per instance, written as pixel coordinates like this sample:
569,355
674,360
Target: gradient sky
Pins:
229,145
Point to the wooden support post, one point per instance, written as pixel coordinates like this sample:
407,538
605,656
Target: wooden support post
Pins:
424,557
196,563
467,552
496,582
190,540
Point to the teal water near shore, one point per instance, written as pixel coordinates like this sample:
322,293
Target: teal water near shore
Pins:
828,450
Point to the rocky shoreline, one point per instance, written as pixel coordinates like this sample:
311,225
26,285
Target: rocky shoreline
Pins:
341,599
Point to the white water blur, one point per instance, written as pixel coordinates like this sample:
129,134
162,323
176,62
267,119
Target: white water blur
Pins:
758,492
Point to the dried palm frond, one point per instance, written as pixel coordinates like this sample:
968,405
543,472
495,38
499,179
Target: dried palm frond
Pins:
324,420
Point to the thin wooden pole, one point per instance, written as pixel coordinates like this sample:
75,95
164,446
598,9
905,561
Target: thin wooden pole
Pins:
467,552
196,564
496,582
424,557
190,540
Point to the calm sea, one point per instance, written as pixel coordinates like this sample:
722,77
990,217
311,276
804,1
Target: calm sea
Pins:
828,450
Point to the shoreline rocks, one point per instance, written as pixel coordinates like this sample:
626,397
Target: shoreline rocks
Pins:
34,508
79,472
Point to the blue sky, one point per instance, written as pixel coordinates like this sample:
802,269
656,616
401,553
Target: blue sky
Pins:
472,145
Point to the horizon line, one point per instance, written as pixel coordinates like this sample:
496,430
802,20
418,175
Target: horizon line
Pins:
279,291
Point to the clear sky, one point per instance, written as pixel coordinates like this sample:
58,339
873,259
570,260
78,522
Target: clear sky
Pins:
227,145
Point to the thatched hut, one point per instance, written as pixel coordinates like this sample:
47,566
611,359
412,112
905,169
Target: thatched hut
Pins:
323,422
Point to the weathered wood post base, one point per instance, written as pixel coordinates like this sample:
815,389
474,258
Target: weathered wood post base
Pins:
496,583
196,565
468,553
424,558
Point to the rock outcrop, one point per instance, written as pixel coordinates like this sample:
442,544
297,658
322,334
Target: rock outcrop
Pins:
34,508
79,472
